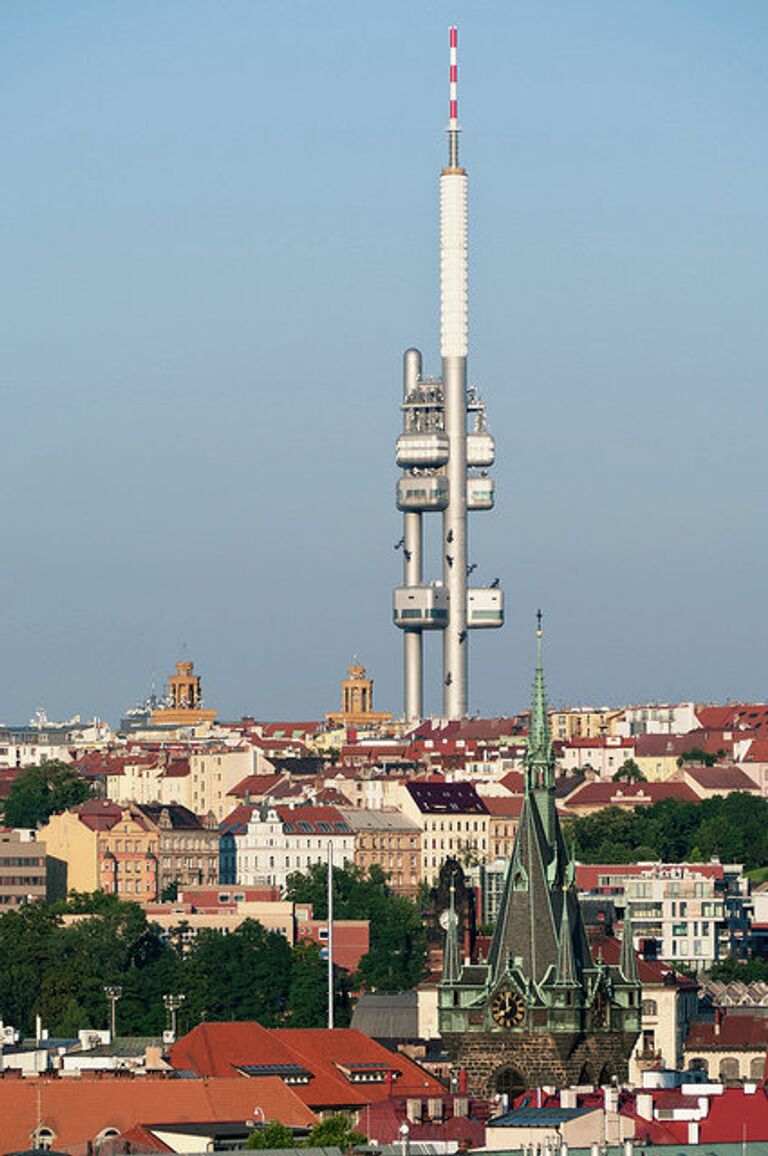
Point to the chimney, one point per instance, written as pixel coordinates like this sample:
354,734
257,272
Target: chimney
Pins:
611,1098
644,1105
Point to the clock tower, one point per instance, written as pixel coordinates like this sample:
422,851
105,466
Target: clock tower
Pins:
540,1009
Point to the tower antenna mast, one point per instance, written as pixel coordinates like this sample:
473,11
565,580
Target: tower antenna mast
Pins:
445,465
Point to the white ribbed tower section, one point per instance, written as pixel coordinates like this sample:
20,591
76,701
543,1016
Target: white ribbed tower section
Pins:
453,351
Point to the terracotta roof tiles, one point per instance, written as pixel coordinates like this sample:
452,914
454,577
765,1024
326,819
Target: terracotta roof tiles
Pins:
78,1110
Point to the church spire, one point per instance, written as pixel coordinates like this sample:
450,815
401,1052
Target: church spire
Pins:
627,957
539,761
451,965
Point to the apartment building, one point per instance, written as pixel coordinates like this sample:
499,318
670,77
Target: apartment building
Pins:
280,840
22,868
101,846
200,780
692,913
454,822
132,850
389,840
584,722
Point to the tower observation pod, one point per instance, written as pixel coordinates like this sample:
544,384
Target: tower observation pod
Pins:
445,465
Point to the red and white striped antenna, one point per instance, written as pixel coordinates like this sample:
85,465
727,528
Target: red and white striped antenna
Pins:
454,82
453,117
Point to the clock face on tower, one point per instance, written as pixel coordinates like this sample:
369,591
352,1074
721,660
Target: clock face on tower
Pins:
508,1008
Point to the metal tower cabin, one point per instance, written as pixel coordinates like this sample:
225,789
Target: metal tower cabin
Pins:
445,466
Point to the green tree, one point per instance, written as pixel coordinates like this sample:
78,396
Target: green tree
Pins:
307,1005
30,948
42,791
734,827
630,771
245,974
396,958
746,970
334,1132
697,755
272,1135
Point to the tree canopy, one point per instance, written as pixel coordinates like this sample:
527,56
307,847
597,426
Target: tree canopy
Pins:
395,960
59,971
733,827
629,771
41,791
272,1135
333,1132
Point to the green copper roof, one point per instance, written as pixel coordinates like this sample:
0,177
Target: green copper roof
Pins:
539,760
627,958
451,961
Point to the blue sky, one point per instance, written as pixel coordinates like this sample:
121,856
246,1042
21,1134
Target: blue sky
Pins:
218,234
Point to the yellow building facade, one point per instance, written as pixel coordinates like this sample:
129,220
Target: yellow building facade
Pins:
583,723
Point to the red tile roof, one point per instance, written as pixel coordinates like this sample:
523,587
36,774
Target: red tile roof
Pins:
508,806
514,781
607,742
237,820
651,972
256,786
77,1110
629,794
322,820
99,814
734,1116
290,729
177,769
223,1048
732,1031
330,796
657,746
588,874
333,1049
722,778
716,716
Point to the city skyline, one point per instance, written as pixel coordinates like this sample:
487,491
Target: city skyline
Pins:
220,234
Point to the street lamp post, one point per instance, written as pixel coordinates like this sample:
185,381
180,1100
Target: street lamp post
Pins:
172,1005
113,992
405,1132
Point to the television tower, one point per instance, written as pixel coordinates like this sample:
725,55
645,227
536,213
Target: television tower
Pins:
445,466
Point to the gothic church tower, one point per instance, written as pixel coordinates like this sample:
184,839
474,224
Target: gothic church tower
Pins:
540,1010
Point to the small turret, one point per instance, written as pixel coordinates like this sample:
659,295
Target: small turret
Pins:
565,973
627,958
539,760
451,961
